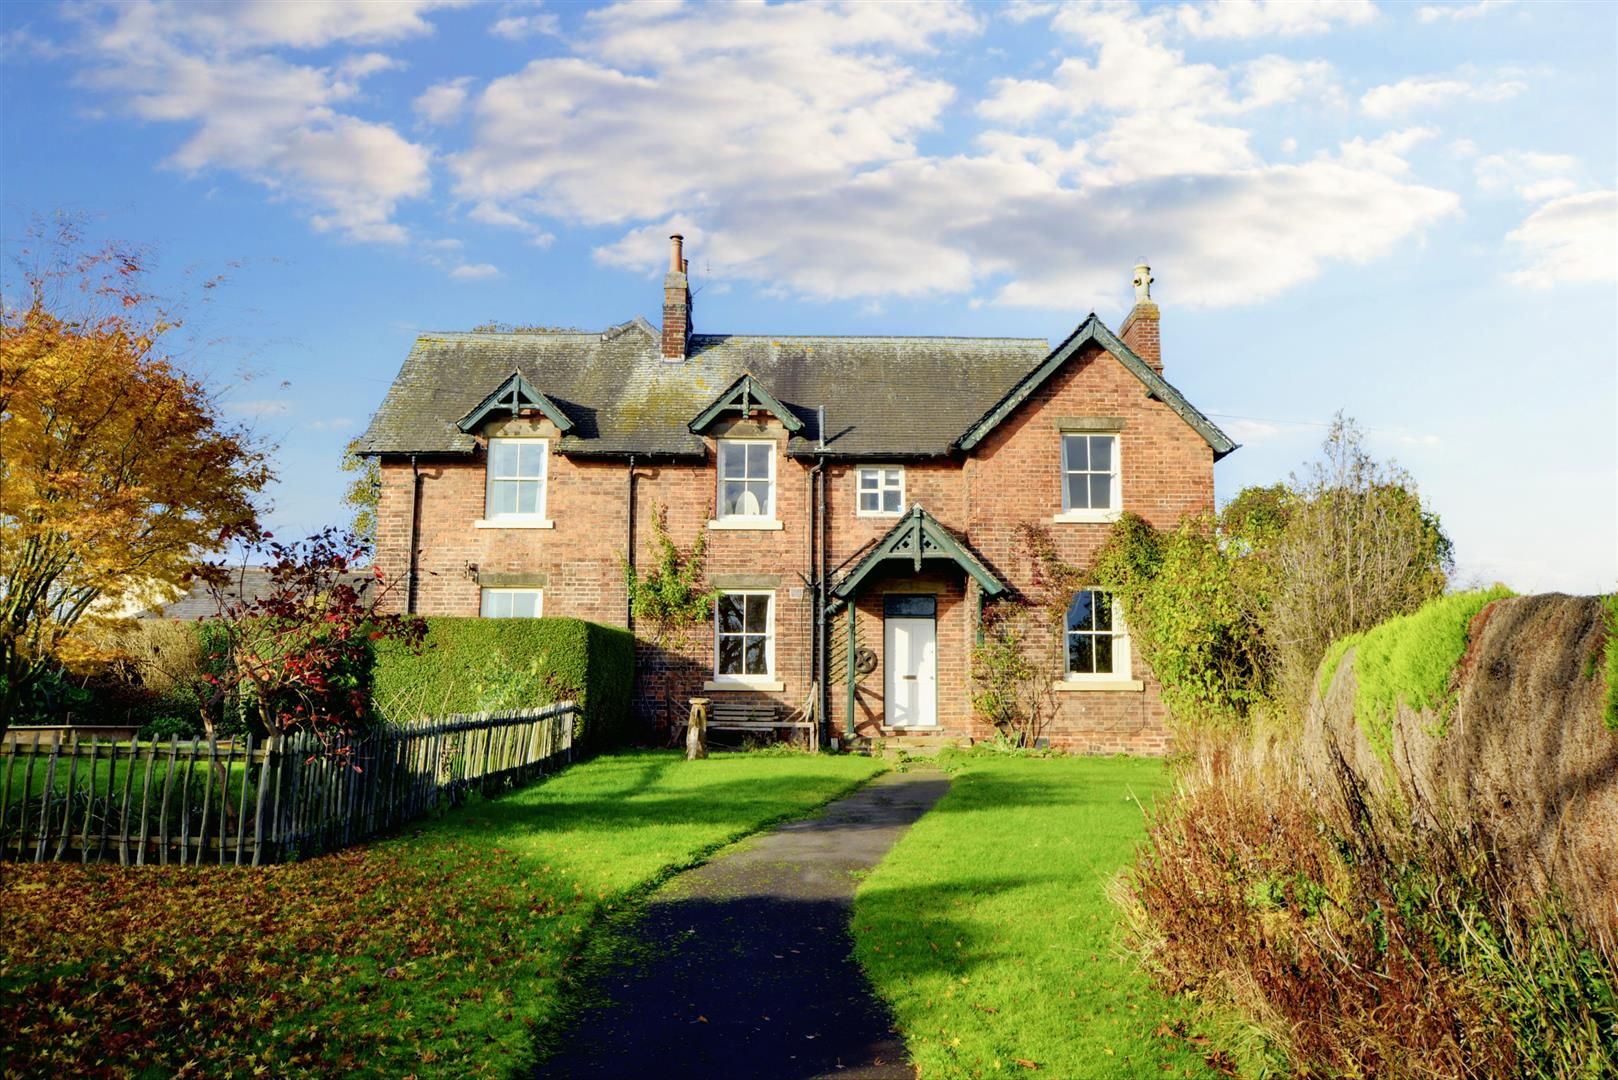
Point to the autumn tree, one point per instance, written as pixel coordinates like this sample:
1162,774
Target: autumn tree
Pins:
117,472
297,653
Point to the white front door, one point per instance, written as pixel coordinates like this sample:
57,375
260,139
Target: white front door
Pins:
912,671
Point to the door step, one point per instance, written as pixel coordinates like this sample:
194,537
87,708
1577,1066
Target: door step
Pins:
894,743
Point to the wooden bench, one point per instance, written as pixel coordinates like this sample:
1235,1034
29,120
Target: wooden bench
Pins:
760,717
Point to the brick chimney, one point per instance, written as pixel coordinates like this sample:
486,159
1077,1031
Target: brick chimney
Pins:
1140,329
676,304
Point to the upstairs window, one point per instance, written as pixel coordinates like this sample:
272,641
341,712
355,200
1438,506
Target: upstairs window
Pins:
1096,642
744,636
516,485
881,491
512,604
1090,475
746,479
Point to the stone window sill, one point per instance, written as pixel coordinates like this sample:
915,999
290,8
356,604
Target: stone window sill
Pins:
1071,517
760,687
514,523
1091,686
746,524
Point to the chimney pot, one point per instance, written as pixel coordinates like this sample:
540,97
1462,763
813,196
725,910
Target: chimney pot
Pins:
676,304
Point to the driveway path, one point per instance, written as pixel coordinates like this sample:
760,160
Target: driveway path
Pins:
749,971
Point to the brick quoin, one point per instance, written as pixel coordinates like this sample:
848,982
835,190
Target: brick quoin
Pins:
1012,476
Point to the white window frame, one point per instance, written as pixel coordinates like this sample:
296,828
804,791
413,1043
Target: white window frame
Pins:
1122,670
768,677
722,520
882,488
510,594
536,520
1111,513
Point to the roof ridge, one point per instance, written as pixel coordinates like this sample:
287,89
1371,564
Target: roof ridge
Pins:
868,337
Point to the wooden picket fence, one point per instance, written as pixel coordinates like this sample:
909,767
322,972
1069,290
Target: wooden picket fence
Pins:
245,802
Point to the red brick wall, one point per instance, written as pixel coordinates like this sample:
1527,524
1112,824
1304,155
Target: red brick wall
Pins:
1014,475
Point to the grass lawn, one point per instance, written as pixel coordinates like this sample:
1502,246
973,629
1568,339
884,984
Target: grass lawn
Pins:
438,952
989,931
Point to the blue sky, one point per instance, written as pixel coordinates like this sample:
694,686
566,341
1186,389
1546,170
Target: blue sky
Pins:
1406,212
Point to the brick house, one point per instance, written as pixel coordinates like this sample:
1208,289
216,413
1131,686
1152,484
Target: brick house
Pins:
860,498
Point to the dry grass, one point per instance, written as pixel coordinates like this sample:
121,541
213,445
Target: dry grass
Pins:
1355,949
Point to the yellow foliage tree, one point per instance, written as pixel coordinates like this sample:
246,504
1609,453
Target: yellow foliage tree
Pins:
116,470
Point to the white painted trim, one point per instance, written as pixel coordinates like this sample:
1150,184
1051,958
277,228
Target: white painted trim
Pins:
1123,657
1075,685
1086,517
1112,513
514,521
489,479
738,684
745,524
719,484
538,594
903,480
746,682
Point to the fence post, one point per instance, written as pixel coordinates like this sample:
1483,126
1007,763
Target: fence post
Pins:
123,812
72,785
145,800
168,784
5,797
45,797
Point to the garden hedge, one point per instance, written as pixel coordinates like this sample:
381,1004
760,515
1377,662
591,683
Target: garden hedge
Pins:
473,664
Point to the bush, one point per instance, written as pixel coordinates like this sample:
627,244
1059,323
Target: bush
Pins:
1353,946
1409,660
477,665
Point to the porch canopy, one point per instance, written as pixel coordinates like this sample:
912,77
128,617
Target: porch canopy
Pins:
918,539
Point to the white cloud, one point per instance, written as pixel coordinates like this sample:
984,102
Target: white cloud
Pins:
335,423
1427,92
783,142
1457,12
259,115
666,103
441,103
474,271
1264,18
520,27
1533,176
1570,239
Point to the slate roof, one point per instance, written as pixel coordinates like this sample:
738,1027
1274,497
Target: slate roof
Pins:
885,397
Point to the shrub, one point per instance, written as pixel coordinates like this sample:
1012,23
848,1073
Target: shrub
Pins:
1409,660
1357,947
473,665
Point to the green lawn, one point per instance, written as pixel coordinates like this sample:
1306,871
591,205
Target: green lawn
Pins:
989,930
437,953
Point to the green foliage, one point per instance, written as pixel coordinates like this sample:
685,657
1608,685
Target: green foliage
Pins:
1195,598
363,492
472,665
1004,678
1609,606
1410,660
989,931
671,598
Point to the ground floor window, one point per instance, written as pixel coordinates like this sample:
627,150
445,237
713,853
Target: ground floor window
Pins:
744,636
1096,641
512,603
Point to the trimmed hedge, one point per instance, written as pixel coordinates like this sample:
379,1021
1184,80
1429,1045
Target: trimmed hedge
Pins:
473,664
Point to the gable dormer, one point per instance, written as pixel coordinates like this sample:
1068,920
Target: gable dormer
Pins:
516,397
743,398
